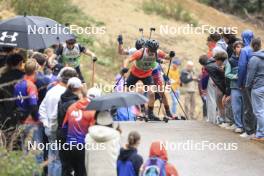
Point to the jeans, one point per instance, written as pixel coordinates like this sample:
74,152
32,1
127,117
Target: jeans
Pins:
257,96
174,101
237,107
249,119
32,133
54,166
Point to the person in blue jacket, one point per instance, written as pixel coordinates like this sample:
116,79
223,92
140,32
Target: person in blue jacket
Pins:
129,161
249,120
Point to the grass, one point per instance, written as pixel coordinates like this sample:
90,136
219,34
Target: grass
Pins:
168,9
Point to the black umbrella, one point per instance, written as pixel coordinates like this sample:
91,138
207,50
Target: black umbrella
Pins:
116,100
32,32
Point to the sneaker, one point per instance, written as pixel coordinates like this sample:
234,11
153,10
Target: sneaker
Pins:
224,125
232,127
244,135
238,130
247,136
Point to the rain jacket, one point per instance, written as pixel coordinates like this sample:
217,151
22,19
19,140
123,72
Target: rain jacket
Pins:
105,145
244,57
255,75
231,70
129,155
158,150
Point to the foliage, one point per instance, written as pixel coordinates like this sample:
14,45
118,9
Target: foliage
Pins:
168,9
237,6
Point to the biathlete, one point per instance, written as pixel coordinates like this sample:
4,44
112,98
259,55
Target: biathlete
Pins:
145,61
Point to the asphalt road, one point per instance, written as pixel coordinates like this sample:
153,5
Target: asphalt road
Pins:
198,148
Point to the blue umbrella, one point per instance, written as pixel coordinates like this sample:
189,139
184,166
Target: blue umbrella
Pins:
32,32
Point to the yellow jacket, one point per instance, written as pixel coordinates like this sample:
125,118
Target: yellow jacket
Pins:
174,76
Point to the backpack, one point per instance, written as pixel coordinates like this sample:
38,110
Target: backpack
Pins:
125,168
154,167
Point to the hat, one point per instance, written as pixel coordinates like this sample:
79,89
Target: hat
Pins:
75,82
94,92
57,68
104,118
176,62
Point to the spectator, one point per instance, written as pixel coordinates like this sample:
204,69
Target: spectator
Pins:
28,107
174,75
11,74
231,72
249,120
48,115
70,96
158,154
129,161
188,80
78,120
255,81
51,57
42,81
105,141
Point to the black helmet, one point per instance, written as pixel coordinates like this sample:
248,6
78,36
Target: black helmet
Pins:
139,43
152,44
71,41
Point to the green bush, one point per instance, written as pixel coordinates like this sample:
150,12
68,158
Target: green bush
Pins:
168,9
18,163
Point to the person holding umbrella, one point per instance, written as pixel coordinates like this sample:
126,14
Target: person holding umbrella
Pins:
70,53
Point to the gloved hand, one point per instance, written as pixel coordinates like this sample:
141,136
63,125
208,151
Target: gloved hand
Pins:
160,61
124,70
94,59
120,39
172,54
166,78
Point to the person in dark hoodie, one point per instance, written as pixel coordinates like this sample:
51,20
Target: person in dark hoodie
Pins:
70,96
255,82
249,119
129,161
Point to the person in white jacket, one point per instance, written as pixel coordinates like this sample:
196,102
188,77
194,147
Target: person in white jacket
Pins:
48,116
102,147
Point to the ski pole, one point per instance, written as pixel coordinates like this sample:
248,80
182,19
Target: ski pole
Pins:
151,30
177,98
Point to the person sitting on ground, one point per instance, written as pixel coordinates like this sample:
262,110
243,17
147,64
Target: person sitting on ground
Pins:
255,82
77,121
104,143
157,163
129,161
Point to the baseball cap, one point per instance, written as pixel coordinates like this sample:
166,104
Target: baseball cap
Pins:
176,62
75,82
94,92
